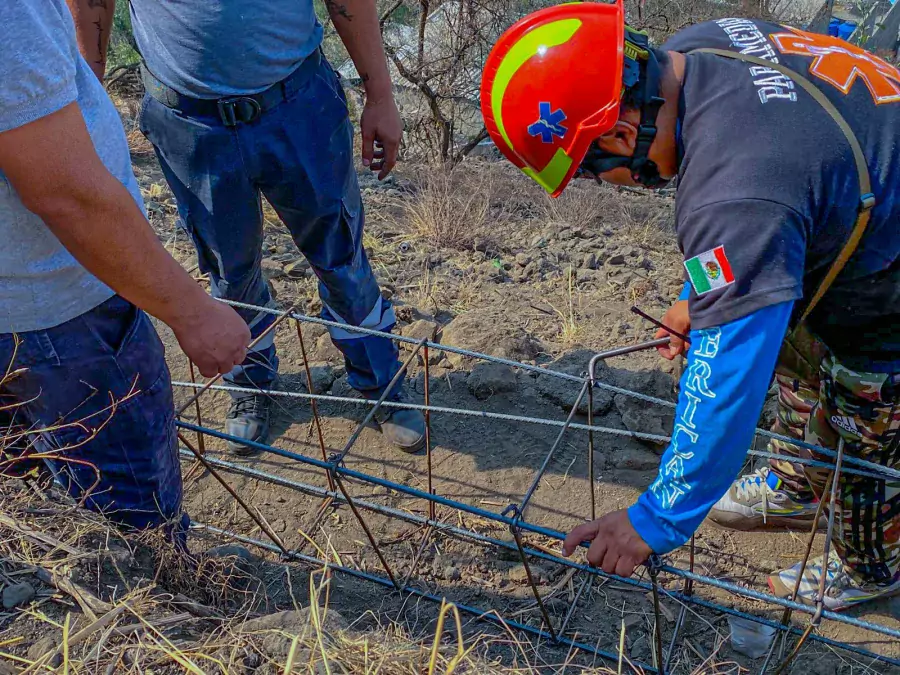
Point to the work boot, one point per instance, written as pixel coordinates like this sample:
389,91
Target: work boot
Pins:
842,590
248,418
759,500
404,428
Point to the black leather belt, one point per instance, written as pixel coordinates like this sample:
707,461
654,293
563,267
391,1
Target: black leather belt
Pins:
232,110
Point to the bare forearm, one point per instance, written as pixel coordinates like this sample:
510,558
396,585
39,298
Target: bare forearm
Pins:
93,23
356,22
103,228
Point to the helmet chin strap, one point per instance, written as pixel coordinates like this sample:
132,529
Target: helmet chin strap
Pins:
643,169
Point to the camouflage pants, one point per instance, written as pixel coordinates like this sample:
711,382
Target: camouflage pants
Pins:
820,401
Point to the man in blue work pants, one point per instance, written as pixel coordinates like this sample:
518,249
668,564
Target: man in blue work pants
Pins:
240,104
84,385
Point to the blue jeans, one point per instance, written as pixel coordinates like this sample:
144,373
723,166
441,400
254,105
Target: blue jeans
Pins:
299,155
97,388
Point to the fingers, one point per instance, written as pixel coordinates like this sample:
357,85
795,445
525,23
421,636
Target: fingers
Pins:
208,367
584,532
676,346
664,350
598,552
389,153
368,144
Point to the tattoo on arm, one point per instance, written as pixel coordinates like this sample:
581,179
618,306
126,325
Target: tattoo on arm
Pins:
333,6
97,3
364,77
99,24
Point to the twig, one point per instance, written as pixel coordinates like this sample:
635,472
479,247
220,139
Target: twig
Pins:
81,635
41,538
90,604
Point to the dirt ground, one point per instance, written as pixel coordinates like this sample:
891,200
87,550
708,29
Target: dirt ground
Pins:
488,263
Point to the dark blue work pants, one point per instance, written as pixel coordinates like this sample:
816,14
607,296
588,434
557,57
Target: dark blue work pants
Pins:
299,155
94,397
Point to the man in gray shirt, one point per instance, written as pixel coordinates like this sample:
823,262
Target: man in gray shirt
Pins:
242,104
82,374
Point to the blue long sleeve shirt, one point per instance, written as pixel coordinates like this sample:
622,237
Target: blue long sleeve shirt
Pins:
723,389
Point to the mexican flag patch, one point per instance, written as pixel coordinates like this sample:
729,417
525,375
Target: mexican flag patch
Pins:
709,271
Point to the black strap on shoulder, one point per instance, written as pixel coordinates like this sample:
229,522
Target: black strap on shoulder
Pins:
643,169
867,197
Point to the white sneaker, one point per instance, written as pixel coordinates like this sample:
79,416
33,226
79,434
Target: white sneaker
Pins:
841,589
757,500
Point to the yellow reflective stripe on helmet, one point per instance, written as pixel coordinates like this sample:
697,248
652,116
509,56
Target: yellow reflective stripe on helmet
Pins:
550,35
551,175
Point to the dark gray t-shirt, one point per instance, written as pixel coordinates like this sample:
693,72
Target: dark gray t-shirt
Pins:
767,175
41,72
215,48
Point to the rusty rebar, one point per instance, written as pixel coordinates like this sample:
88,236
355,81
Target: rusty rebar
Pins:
537,596
375,408
431,505
314,406
256,517
365,527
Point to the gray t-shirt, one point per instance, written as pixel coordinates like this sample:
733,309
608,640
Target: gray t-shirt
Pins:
41,72
215,48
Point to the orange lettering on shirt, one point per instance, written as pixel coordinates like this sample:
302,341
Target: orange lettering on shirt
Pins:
841,63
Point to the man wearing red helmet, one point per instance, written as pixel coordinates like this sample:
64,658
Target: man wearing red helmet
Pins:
784,144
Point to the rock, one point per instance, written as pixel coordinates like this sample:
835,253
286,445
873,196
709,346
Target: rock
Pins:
588,261
616,259
279,646
278,630
538,242
326,351
311,333
16,595
231,551
518,574
323,376
565,392
488,332
489,378
235,565
298,269
641,417
522,259
634,620
44,645
483,245
633,458
452,573
419,330
272,269
423,328
650,382
622,277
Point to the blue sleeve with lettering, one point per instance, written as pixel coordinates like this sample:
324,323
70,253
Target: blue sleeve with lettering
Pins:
722,393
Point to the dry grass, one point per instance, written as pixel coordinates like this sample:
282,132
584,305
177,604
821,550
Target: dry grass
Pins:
451,208
583,203
571,329
90,624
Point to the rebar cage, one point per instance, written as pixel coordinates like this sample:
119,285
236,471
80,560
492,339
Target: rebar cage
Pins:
338,477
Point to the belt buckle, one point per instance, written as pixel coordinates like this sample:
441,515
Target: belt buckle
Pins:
238,109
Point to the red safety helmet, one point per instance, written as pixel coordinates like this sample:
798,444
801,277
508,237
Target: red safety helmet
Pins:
552,85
